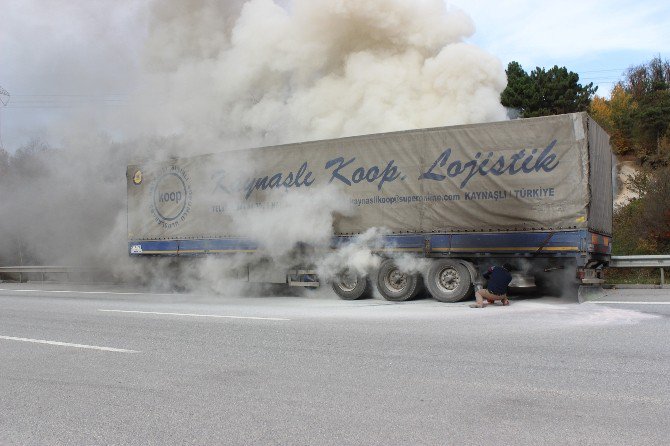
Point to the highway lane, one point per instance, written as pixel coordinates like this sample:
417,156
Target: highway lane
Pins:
651,300
196,369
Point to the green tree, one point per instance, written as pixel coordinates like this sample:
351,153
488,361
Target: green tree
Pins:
643,225
518,88
655,210
649,86
628,238
545,92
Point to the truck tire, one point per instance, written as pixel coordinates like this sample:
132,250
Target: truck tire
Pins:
351,286
395,285
448,280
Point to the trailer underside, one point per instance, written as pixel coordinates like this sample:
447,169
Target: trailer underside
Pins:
453,271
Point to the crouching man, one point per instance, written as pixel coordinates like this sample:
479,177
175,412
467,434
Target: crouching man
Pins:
499,278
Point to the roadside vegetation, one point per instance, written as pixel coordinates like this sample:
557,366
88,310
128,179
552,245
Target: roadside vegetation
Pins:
637,117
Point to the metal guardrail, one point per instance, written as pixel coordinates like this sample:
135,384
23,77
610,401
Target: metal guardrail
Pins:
659,262
640,261
44,270
652,261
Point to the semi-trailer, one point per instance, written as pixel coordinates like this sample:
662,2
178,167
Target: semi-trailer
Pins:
536,193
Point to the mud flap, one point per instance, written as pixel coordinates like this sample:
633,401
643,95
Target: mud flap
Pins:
590,292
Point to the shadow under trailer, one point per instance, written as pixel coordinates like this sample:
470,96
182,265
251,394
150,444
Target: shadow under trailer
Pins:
536,193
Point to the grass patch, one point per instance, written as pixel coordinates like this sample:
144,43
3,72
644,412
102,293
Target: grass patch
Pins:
646,276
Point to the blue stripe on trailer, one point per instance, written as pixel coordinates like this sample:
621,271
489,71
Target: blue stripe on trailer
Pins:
514,242
215,246
154,247
389,243
190,247
463,244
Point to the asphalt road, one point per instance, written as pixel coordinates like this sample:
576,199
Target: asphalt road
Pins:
107,365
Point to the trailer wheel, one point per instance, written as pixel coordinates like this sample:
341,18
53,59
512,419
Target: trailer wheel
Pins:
351,286
448,280
396,285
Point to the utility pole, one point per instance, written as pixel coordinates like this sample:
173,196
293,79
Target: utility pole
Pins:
4,100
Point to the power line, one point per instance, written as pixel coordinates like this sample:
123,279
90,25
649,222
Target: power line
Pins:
621,70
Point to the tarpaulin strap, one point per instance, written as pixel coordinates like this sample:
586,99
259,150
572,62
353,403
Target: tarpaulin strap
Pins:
544,243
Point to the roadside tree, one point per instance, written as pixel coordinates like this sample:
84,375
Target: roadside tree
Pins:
545,92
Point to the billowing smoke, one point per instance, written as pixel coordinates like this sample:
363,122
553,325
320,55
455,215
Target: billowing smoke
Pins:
237,74
302,216
313,69
358,256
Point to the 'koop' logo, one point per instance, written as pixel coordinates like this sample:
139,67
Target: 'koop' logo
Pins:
171,196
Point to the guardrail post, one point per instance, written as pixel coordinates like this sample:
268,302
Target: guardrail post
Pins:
662,278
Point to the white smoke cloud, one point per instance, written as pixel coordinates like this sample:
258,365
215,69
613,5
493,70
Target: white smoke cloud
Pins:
357,256
216,76
301,216
314,69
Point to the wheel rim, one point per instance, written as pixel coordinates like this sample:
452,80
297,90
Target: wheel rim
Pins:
395,280
347,281
448,280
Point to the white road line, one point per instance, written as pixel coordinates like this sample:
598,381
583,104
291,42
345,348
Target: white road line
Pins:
625,302
198,315
85,292
67,344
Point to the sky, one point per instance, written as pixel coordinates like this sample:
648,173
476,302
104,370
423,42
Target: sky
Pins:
59,57
597,39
